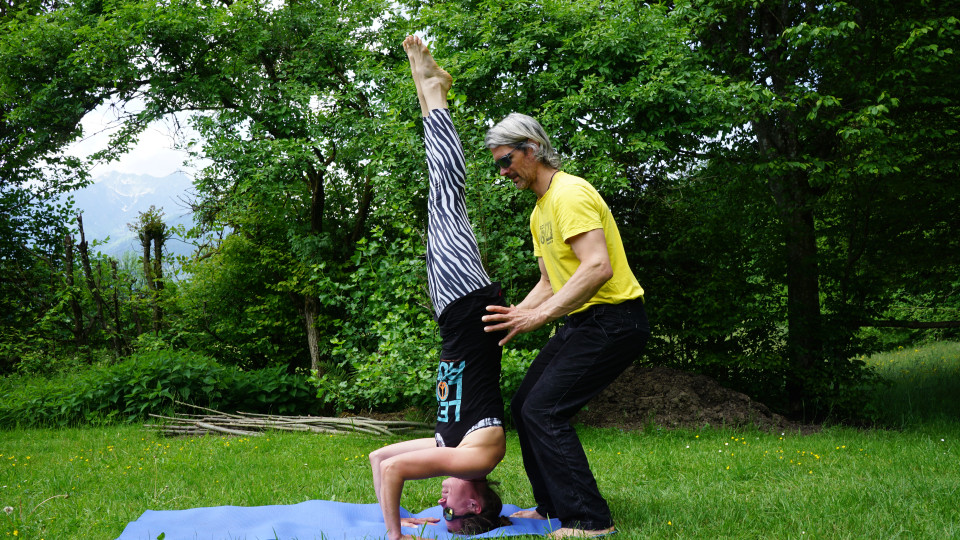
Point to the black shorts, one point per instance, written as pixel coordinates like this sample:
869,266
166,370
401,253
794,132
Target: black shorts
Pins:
468,377
461,326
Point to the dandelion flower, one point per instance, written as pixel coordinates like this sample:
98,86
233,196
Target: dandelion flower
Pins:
8,509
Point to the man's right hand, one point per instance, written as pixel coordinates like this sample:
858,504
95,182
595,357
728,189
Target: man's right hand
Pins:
513,320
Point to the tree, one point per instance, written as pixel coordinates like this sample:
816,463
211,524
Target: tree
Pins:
36,48
153,233
282,93
762,158
754,151
833,96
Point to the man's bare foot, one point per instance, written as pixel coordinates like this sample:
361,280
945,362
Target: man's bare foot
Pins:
432,81
527,514
567,532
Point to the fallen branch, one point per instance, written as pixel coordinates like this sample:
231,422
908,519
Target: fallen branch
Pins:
252,424
911,324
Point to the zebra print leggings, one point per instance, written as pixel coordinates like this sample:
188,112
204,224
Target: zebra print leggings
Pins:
453,259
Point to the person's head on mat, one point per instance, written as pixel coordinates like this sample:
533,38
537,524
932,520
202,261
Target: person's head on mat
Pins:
471,506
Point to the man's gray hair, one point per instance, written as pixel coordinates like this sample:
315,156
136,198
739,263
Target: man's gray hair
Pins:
516,130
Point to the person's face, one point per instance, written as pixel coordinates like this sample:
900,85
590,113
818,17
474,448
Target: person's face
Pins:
517,164
461,497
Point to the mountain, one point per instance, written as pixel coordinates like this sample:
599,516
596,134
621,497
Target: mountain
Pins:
116,199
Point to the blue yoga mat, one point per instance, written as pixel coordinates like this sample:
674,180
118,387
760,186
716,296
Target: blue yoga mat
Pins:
310,520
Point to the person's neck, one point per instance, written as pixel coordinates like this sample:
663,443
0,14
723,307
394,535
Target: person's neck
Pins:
544,178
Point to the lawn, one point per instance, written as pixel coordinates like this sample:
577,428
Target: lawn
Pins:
925,383
838,483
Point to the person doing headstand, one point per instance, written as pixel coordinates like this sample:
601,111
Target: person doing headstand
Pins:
469,438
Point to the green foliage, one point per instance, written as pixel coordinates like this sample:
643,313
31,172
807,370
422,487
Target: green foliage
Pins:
150,383
383,345
781,173
32,226
513,368
229,308
387,358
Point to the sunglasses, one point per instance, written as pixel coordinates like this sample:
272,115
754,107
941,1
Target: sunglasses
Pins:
504,161
450,516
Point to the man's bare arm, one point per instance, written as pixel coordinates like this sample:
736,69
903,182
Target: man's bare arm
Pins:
594,270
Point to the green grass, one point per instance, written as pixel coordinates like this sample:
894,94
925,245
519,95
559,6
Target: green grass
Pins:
838,483
924,384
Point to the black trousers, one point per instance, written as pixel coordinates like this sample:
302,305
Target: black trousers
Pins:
585,355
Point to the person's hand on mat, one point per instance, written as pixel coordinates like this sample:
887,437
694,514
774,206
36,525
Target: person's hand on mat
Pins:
413,522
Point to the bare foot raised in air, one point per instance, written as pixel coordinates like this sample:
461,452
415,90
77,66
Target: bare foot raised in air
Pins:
431,80
527,514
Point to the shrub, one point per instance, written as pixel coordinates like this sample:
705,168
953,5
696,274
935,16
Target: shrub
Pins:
383,351
151,382
399,374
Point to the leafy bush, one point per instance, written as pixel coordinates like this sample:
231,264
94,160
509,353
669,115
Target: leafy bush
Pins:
385,347
230,308
151,382
400,373
267,390
514,366
382,342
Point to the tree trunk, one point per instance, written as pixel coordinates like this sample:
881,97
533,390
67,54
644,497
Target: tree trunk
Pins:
147,266
795,199
119,344
804,339
310,321
92,284
78,334
158,276
311,305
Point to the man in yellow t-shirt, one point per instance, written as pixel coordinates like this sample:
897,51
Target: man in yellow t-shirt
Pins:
586,280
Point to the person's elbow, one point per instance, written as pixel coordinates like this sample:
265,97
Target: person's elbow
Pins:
601,271
606,272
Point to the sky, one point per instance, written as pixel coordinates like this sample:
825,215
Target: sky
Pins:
153,155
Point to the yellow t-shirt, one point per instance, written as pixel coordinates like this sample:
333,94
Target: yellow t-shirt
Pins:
572,206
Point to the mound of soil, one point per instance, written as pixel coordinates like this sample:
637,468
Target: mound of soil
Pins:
660,396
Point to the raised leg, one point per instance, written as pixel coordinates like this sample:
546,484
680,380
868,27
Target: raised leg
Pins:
454,267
